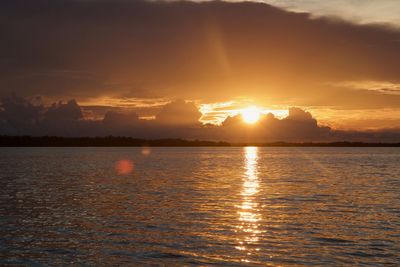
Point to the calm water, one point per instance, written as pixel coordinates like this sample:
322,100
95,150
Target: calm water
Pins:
200,206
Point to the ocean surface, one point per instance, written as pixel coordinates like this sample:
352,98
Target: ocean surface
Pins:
200,206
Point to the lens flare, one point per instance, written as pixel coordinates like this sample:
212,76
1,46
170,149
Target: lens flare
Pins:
146,151
124,167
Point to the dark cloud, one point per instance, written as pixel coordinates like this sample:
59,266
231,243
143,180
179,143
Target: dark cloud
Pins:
297,114
211,50
22,116
64,112
179,112
19,116
298,126
118,123
112,118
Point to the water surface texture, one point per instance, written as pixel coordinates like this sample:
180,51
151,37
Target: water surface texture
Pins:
200,206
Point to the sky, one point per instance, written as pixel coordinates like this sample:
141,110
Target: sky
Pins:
130,61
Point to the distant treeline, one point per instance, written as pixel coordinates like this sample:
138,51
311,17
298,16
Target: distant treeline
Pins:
327,144
114,141
109,141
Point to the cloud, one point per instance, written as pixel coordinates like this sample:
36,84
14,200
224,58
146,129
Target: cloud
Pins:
212,51
118,123
115,118
385,87
70,111
19,116
179,112
298,126
365,12
297,114
22,116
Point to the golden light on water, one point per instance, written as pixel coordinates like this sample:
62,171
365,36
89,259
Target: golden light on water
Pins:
251,115
249,216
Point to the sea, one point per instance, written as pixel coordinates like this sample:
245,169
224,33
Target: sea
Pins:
200,206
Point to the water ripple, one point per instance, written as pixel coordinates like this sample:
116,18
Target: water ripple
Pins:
200,206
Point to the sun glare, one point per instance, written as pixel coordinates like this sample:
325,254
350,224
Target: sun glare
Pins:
250,115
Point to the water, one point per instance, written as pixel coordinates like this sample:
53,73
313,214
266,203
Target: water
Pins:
200,206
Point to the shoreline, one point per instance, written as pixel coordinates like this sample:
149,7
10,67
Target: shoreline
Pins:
111,141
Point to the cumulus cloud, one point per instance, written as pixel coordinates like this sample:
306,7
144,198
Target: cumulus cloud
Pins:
179,119
299,125
179,112
19,114
61,112
22,116
297,114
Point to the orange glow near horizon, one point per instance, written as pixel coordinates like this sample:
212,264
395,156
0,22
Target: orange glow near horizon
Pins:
216,112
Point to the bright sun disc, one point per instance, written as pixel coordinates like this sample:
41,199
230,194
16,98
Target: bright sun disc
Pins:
250,115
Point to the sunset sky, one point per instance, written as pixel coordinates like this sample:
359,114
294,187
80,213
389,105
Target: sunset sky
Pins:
338,60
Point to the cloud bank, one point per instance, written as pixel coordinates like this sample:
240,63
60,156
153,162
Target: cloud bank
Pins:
178,119
209,51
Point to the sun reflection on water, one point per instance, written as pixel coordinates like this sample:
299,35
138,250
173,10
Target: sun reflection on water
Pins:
248,210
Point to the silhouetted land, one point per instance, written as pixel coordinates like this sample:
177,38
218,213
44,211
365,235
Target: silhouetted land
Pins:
109,141
112,141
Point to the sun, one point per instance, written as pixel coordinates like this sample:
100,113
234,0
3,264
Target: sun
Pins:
251,115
